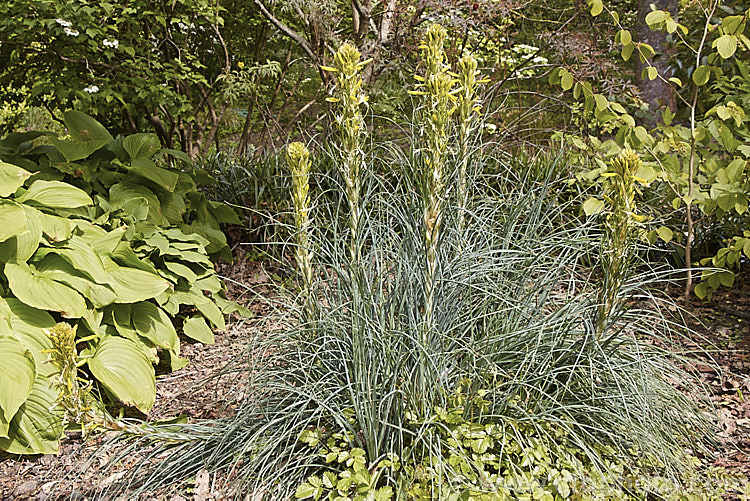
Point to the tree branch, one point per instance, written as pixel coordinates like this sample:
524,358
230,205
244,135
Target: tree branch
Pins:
286,30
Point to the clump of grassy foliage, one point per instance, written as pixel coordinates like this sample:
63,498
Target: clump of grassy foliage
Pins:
465,359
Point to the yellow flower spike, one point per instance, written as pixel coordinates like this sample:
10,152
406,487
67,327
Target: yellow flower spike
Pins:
622,228
298,160
468,107
349,99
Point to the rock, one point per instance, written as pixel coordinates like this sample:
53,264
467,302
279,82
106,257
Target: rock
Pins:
25,490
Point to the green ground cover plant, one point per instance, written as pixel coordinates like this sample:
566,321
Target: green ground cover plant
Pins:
106,235
443,349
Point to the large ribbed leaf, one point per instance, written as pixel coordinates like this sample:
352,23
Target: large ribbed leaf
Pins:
56,194
12,221
122,195
56,228
196,328
125,371
145,167
56,268
141,145
106,244
24,245
42,292
80,254
85,128
74,150
17,375
36,427
11,178
207,307
28,326
131,285
154,324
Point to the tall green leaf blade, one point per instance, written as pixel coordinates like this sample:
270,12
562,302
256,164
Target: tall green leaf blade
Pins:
121,194
36,427
11,178
43,293
145,167
73,151
81,255
56,228
125,371
17,375
56,268
85,128
203,304
56,194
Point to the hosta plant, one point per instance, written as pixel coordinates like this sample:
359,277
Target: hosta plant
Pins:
132,173
125,282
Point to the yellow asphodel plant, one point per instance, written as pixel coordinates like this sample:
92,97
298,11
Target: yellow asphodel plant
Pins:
350,98
298,160
436,87
74,392
622,229
468,111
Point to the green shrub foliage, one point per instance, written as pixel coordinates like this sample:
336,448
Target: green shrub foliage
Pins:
113,236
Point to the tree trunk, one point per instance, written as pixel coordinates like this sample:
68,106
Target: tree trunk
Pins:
657,93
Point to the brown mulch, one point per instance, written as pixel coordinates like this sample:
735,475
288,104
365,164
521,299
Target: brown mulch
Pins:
195,390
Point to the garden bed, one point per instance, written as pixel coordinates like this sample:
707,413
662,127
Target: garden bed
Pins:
204,389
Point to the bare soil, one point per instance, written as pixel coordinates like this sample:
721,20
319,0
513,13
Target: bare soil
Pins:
206,389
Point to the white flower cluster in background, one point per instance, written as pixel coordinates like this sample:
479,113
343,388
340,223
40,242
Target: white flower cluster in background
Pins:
67,27
91,89
110,43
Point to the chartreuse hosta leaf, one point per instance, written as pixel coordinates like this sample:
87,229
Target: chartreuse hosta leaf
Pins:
133,285
85,128
203,304
12,220
147,168
141,145
56,229
154,324
56,268
36,426
17,375
125,371
55,194
196,328
27,325
22,246
44,293
80,254
11,178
